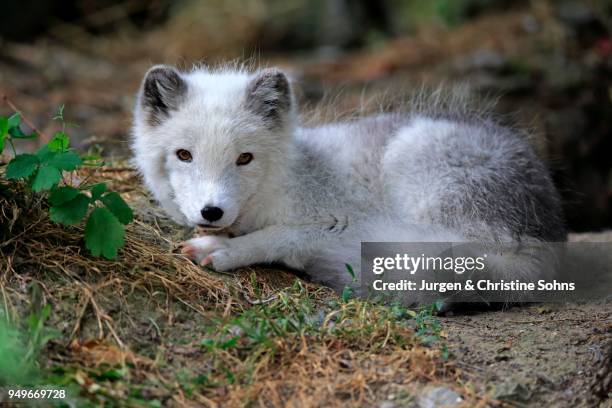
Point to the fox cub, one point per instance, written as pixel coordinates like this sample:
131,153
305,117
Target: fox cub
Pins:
223,149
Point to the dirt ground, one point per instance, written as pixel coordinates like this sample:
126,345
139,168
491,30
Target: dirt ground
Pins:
545,355
542,355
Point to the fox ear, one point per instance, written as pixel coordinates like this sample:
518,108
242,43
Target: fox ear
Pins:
163,90
269,96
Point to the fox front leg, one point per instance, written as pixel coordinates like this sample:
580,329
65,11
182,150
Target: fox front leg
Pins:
272,244
201,249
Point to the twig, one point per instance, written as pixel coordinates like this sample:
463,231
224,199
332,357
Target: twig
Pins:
3,280
154,324
77,325
111,169
6,100
259,302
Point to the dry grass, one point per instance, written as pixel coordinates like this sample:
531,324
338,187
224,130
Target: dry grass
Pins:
38,244
335,369
273,339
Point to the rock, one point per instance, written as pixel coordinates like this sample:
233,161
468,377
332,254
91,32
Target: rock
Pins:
512,391
438,397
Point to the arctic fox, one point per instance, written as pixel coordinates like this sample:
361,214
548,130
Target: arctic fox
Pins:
223,149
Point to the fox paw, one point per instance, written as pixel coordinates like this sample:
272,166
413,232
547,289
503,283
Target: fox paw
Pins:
210,250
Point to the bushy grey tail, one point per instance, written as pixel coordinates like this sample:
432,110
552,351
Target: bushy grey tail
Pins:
510,260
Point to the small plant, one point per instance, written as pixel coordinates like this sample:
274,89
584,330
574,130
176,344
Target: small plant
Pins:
428,328
50,171
348,291
21,345
14,367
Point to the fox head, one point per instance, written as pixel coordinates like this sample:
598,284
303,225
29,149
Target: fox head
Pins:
207,141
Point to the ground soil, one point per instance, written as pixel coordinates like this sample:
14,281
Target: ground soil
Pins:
545,355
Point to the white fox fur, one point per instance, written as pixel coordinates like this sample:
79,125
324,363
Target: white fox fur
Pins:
310,195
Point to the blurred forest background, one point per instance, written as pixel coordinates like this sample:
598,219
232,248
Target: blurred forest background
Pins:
549,62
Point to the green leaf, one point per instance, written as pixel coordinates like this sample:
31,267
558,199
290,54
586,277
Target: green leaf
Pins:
4,126
17,133
229,376
68,161
350,271
97,191
208,343
3,131
347,293
445,352
59,143
22,166
71,212
14,120
61,195
104,234
46,178
113,374
44,154
230,343
118,207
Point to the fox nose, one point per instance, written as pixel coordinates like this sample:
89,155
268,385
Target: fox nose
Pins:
212,213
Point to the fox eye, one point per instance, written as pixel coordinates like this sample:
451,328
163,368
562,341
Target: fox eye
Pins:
243,159
184,155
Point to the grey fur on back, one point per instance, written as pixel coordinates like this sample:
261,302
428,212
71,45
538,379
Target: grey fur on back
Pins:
480,179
